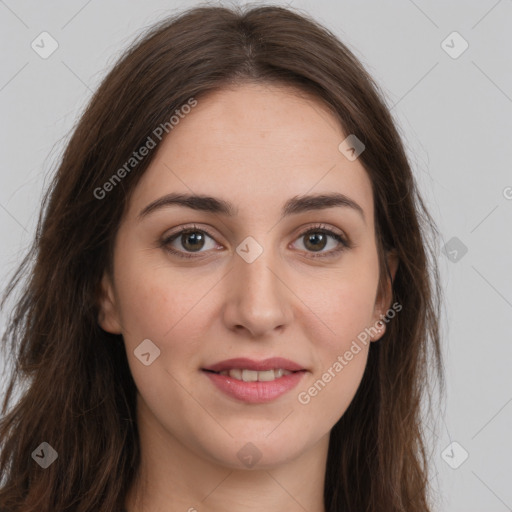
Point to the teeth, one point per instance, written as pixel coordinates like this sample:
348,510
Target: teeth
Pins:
235,373
249,376
264,376
253,376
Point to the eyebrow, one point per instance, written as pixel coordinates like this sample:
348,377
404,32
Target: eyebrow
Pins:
293,206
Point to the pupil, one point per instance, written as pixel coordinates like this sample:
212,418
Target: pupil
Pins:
319,237
194,237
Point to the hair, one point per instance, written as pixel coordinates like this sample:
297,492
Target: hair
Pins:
76,389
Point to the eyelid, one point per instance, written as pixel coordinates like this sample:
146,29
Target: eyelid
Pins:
186,228
334,233
167,239
342,239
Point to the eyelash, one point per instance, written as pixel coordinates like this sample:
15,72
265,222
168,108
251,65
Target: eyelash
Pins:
320,228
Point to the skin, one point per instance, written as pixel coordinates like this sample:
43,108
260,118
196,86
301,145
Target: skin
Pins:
255,146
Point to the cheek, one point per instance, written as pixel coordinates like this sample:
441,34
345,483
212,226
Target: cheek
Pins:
160,306
346,306
168,307
341,351
152,300
328,394
352,311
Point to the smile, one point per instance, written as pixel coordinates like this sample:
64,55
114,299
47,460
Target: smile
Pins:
255,376
255,387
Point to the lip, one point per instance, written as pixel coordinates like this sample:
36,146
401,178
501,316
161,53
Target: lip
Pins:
255,392
260,366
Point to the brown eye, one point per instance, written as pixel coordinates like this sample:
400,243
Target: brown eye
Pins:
192,240
187,241
316,240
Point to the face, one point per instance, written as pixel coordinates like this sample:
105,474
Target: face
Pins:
255,280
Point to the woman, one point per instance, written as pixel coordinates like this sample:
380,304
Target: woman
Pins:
281,367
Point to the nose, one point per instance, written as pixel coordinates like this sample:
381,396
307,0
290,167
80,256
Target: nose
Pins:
258,300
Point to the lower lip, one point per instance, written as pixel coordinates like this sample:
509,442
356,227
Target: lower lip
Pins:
255,392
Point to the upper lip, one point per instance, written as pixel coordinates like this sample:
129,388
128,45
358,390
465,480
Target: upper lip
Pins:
250,364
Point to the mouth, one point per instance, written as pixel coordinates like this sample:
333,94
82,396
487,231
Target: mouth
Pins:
252,381
243,363
246,375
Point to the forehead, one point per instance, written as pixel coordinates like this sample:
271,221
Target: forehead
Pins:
256,146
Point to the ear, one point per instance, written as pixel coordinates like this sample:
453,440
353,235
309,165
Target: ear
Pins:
108,317
383,301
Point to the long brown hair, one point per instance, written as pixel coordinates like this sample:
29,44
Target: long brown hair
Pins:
76,390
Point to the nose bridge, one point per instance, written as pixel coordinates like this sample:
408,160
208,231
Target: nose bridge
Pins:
257,298
258,278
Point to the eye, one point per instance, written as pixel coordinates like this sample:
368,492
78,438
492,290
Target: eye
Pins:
192,240
316,239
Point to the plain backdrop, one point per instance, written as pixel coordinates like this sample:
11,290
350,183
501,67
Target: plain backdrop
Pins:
451,96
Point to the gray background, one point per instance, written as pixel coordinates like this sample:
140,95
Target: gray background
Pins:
455,115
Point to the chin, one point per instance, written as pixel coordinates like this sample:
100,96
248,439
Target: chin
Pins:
257,452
